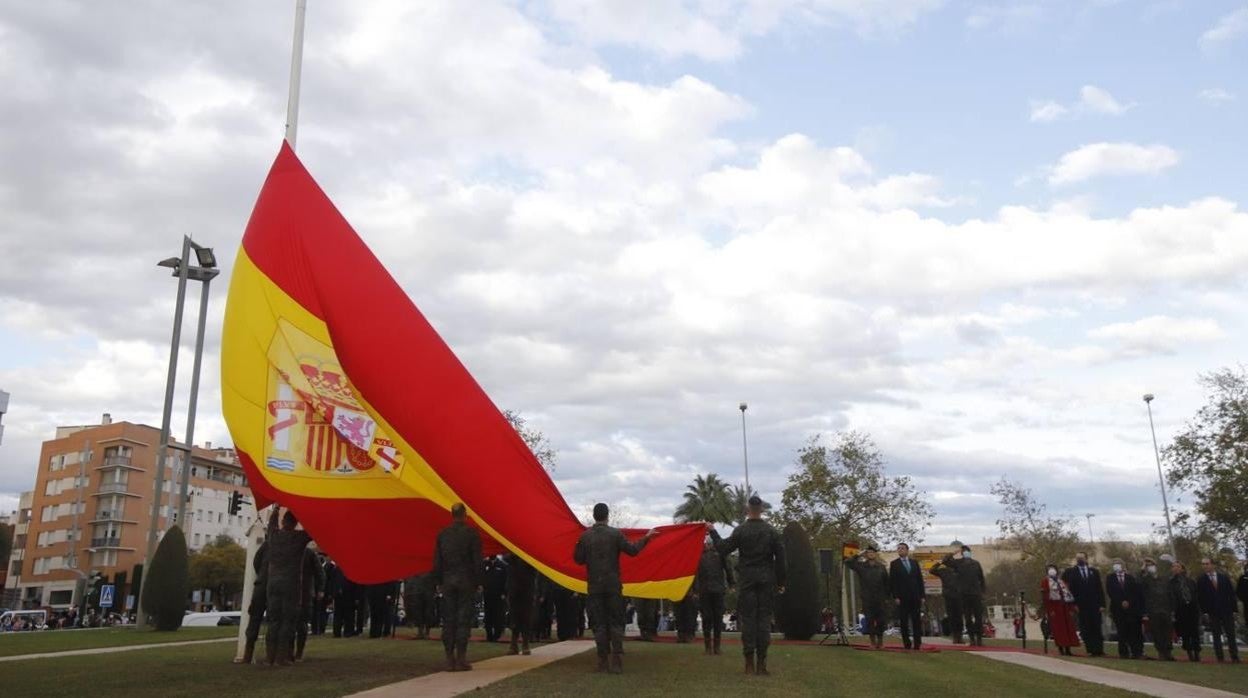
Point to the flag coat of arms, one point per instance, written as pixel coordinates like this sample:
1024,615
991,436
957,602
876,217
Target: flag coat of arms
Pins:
371,435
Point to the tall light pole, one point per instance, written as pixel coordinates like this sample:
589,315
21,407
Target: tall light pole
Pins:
745,451
1161,480
1091,540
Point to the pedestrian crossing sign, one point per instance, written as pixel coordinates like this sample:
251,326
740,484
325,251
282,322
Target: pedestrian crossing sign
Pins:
106,595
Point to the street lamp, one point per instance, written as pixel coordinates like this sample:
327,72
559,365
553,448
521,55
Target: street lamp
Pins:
1161,481
1091,540
204,273
745,451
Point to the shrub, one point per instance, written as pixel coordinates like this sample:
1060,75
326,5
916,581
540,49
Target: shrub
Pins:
165,585
799,607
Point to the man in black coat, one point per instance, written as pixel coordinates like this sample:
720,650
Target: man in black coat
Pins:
1217,604
495,593
1126,607
1084,582
905,579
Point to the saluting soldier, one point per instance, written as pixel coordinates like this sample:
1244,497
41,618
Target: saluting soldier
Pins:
713,580
762,572
457,571
599,549
1158,607
949,594
971,586
873,584
285,557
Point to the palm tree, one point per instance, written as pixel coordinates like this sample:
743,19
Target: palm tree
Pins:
707,499
739,497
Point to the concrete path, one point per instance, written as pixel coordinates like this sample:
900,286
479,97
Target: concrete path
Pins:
1139,683
110,650
446,684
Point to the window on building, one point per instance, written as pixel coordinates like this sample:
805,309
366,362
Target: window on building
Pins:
220,517
15,570
196,539
61,597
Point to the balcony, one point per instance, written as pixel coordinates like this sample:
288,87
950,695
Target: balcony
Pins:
105,542
118,462
108,515
113,487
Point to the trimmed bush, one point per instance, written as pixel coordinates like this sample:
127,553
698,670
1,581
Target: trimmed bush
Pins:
799,607
165,586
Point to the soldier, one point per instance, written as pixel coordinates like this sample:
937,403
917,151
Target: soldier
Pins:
418,600
285,557
545,606
873,585
522,602
949,594
457,572
648,619
255,609
311,590
762,571
971,586
687,617
1158,608
598,549
495,592
713,580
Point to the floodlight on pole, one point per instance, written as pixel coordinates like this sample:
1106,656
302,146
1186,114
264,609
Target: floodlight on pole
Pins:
745,451
1161,480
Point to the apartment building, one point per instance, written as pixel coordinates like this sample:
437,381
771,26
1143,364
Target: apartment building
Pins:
90,509
4,407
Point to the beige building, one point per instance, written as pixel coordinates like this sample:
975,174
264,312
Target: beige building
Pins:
90,509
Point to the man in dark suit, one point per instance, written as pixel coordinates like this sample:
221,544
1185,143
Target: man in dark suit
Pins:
1085,585
905,579
1126,607
1217,605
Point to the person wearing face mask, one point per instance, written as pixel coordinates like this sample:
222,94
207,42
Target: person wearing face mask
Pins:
1158,609
971,586
1186,610
1217,605
1126,608
873,585
1059,610
1084,582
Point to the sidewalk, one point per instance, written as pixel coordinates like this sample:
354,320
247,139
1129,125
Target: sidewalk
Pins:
446,684
1147,685
109,650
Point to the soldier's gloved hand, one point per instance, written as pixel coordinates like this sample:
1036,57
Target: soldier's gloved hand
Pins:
652,533
780,590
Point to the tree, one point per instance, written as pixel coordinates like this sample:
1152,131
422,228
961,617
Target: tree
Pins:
1027,526
534,439
706,499
842,492
799,605
165,587
218,566
1209,459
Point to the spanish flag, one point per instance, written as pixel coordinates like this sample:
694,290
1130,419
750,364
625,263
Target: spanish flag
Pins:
347,407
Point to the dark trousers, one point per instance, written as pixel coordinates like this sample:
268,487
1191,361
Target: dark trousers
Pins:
457,612
953,613
320,617
1090,630
1162,629
973,614
607,611
1223,625
712,614
1130,634
283,612
255,613
302,623
755,606
523,613
344,615
495,615
378,615
911,622
1187,624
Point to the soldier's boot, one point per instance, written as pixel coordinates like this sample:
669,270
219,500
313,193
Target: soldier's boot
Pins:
524,646
515,644
762,665
602,663
706,642
716,646
617,663
270,652
249,652
749,663
461,656
957,638
451,664
299,644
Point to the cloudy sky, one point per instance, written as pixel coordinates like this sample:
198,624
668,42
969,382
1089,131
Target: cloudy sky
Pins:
979,231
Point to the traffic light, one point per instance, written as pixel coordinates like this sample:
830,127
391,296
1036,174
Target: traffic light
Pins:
236,502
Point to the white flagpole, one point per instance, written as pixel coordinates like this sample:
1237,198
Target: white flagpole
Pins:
296,71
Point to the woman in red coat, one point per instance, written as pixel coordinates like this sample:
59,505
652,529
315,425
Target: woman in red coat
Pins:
1059,610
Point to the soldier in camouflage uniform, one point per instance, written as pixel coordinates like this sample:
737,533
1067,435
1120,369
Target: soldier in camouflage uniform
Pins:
953,603
458,571
762,573
1158,608
521,603
285,558
686,612
971,587
418,600
311,590
873,585
648,619
599,549
713,580
256,608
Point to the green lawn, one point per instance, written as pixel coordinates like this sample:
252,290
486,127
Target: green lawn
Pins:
668,669
333,667
61,640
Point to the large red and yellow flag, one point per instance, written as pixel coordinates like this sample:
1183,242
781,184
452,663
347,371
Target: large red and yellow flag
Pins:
346,406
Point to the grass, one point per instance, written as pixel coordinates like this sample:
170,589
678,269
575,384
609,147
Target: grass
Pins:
61,640
332,667
668,669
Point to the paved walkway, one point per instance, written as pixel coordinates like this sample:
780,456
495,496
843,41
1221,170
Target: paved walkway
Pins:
1139,683
447,684
110,650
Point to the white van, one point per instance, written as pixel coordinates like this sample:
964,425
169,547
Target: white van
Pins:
23,620
211,619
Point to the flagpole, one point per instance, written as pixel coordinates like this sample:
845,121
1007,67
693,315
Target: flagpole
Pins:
296,72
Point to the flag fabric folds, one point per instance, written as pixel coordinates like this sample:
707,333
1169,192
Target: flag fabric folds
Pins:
347,407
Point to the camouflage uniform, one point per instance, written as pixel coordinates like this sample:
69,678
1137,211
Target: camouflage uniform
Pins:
712,582
971,587
458,570
418,601
1160,611
522,603
311,585
953,603
873,585
285,557
256,608
599,549
761,568
648,618
686,612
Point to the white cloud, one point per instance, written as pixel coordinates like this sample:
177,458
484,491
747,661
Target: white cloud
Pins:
1101,101
1158,334
1047,111
1109,159
1228,28
1092,100
1216,96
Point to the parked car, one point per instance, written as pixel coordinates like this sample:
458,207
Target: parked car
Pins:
211,619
